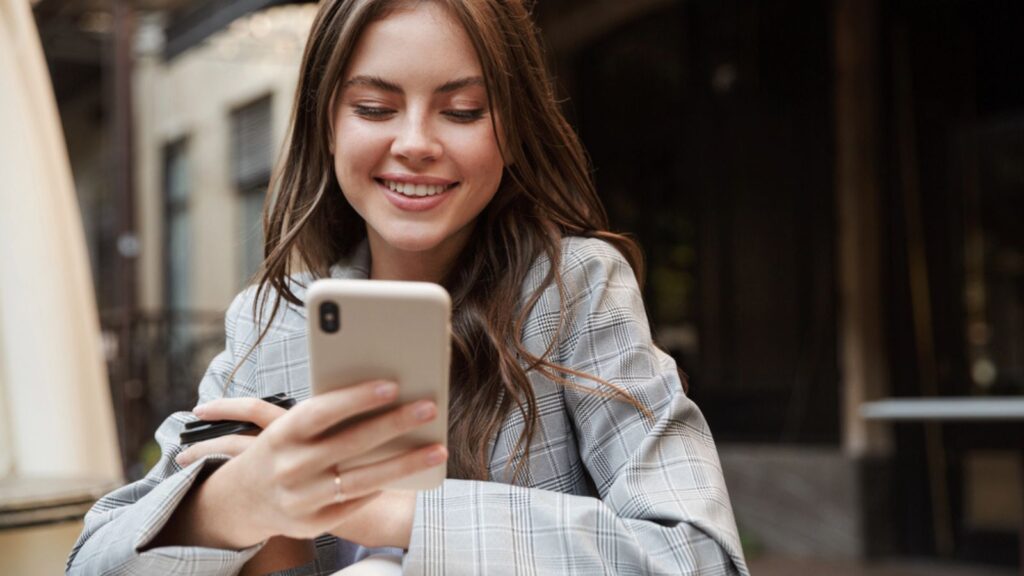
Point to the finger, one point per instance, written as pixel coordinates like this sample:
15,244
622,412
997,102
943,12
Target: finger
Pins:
356,483
315,416
232,445
362,437
253,410
366,435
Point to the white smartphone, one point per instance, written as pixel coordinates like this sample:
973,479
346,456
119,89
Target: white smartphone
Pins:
363,330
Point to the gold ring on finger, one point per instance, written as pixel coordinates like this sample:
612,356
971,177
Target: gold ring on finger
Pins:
339,496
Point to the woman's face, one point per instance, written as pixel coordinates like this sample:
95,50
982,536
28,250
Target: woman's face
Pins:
414,149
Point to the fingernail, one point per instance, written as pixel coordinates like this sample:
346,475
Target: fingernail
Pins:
199,410
425,411
179,458
437,456
386,390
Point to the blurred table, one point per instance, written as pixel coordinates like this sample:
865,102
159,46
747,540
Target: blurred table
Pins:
377,565
40,519
977,410
998,409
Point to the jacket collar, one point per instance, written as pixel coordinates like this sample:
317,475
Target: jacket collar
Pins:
355,267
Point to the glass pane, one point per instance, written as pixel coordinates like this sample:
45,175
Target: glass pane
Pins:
177,261
252,232
177,175
251,138
995,261
177,238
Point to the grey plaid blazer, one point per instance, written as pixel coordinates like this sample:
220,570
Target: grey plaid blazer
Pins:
606,490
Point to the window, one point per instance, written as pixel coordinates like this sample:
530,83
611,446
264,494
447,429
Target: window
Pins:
251,164
177,237
994,259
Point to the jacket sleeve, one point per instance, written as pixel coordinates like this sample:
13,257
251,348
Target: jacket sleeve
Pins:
661,505
127,519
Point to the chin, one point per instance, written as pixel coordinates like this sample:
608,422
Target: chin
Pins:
412,242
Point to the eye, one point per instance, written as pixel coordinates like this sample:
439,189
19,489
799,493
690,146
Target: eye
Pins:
372,112
465,116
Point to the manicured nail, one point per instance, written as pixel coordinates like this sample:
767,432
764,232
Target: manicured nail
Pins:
386,390
425,410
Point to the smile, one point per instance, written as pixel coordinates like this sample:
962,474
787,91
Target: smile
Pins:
415,190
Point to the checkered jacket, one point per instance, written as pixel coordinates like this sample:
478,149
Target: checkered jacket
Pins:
606,489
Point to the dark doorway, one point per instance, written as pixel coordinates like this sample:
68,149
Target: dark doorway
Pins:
955,95
710,127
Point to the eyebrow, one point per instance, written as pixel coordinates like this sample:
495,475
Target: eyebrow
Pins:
382,84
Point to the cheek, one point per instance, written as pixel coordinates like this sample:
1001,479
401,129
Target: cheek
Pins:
356,151
480,154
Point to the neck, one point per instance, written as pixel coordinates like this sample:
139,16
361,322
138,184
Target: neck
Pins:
390,263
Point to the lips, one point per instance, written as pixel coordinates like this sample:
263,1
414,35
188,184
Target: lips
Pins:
415,196
415,190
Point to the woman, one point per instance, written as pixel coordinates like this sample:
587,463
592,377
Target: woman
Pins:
426,144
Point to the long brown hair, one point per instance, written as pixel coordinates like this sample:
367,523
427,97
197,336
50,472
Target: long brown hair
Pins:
546,194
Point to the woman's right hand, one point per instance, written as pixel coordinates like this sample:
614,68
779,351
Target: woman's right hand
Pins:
286,483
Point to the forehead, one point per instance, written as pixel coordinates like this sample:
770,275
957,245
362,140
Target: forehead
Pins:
418,42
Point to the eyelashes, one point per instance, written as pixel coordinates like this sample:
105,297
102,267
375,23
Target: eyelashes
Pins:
373,112
383,113
465,116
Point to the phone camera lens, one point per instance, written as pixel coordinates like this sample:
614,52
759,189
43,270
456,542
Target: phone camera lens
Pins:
330,317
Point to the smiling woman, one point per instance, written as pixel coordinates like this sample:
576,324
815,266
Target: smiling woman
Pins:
426,144
416,153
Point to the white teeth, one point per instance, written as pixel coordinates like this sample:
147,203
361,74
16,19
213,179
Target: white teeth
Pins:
417,190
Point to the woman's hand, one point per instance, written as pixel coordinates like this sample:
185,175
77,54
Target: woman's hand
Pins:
279,553
255,410
285,481
383,519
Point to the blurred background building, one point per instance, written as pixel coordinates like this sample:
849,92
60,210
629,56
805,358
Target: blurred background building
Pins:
829,193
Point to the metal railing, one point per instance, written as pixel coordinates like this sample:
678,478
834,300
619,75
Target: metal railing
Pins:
155,361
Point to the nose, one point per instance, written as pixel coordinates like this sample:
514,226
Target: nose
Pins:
416,141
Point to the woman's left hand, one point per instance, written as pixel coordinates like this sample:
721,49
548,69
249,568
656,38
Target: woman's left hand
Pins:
279,553
253,410
383,519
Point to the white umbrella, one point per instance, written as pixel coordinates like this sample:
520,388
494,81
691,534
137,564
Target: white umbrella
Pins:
55,411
